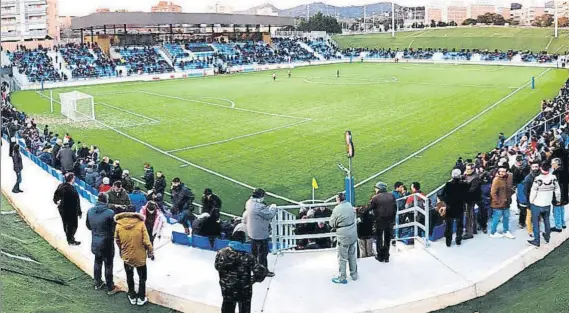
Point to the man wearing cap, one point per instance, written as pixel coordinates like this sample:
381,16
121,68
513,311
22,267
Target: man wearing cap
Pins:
454,194
259,217
343,219
211,203
182,203
384,207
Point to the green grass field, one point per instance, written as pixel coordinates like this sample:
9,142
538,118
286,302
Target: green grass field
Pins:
55,285
534,39
278,135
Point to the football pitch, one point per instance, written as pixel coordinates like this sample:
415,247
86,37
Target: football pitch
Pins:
409,123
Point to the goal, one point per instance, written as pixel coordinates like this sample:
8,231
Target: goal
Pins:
77,106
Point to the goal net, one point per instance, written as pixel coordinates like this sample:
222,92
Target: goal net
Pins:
77,106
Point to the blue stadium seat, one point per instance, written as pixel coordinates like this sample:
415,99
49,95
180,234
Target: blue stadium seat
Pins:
45,167
59,176
220,244
248,247
80,183
171,220
181,239
201,242
52,171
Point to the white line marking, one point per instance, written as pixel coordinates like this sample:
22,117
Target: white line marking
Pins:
559,49
8,212
223,106
363,81
444,136
19,257
548,44
138,124
116,130
128,111
412,41
237,137
221,99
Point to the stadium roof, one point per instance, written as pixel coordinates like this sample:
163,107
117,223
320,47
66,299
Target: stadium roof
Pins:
161,18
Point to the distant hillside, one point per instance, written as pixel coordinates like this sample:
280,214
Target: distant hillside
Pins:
344,12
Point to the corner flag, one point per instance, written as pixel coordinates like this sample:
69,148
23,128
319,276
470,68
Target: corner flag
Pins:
314,183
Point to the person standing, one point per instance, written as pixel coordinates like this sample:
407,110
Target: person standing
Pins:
544,190
211,203
472,197
455,194
148,176
160,183
182,203
238,271
101,223
501,193
154,220
519,172
134,245
118,198
528,183
343,219
18,167
259,217
559,203
384,207
69,206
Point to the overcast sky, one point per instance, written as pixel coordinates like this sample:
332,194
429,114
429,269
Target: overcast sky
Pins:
71,7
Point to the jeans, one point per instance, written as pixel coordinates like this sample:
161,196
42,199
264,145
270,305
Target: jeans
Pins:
228,306
522,204
260,250
536,213
141,270
106,258
347,254
483,216
383,240
18,181
505,215
559,216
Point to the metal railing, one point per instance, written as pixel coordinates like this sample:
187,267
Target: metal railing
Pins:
284,225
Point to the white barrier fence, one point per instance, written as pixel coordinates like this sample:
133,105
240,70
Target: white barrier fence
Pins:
283,226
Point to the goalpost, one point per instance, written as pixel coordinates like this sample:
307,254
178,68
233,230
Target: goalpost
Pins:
77,106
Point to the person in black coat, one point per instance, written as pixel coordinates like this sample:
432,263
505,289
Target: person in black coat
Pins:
454,194
384,207
160,183
116,172
148,176
559,204
69,206
18,166
211,203
182,203
365,233
100,221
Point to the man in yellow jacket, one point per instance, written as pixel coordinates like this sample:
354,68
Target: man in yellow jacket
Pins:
134,246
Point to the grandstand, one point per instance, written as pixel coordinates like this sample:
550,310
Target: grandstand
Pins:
410,122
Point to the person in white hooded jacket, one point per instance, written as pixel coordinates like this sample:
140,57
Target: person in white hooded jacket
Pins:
541,197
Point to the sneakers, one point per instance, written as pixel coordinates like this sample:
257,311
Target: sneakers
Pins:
509,235
546,238
99,286
556,230
496,235
355,277
113,291
338,280
485,230
533,243
379,259
141,302
564,226
270,274
74,243
466,237
132,300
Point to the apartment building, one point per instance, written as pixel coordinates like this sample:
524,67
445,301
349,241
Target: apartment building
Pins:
476,10
28,20
165,6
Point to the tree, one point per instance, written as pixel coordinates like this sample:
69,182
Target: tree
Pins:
563,22
433,23
452,23
545,20
469,21
491,19
321,22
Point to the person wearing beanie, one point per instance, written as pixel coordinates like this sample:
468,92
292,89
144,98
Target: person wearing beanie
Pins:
238,271
384,207
105,186
501,195
182,203
454,195
343,220
101,223
259,217
545,189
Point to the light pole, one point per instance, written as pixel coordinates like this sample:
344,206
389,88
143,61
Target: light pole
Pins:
393,18
556,19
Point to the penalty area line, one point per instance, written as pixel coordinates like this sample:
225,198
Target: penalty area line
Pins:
444,136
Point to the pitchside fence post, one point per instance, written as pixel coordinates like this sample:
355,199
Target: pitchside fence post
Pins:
533,82
51,101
